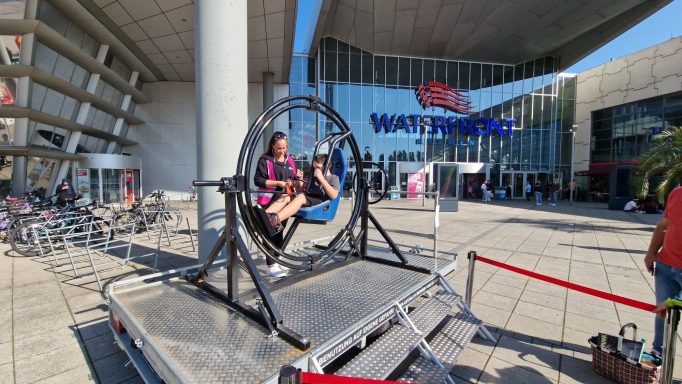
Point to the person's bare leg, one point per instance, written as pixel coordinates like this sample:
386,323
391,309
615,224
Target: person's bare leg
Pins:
291,208
278,204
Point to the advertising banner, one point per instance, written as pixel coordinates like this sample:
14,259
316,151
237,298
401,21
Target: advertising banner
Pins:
83,184
415,183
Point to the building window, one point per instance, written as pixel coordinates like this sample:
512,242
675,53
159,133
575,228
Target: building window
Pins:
358,83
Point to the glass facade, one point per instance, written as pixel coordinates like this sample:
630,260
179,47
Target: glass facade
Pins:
623,133
531,97
62,101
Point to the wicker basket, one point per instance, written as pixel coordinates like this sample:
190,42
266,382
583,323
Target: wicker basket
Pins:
614,365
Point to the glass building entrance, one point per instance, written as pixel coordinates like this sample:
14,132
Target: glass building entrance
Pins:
368,89
109,178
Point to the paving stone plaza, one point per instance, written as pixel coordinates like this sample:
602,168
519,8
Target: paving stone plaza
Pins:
53,328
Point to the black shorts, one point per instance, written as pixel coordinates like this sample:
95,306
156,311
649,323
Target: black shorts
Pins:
314,200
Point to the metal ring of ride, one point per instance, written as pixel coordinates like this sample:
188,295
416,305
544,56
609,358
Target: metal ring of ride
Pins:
383,194
244,166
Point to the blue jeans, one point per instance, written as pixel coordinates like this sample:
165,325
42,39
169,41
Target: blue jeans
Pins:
554,197
538,198
668,284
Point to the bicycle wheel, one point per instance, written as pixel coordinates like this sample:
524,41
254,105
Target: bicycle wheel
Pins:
120,223
24,238
172,217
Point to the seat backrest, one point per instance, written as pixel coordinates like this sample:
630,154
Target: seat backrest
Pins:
339,167
327,210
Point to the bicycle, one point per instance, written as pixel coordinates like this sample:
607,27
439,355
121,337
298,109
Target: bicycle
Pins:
150,213
25,238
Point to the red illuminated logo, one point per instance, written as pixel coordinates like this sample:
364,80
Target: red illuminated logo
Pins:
437,94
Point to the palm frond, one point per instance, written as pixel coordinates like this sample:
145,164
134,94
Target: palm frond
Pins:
663,159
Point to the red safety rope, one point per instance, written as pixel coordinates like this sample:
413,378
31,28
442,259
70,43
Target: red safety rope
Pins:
317,378
576,287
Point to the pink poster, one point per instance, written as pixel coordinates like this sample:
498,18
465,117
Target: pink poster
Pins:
415,183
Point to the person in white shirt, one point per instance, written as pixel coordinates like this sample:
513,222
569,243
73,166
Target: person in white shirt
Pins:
632,206
484,189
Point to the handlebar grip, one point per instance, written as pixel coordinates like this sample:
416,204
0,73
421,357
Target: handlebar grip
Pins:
207,183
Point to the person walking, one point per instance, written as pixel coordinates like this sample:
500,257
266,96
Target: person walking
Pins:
554,194
538,193
485,192
664,260
529,190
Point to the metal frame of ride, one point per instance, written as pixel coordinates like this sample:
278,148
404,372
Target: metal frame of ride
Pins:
237,193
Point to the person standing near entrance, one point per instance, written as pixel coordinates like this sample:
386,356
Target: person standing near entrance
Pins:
571,189
554,194
484,191
508,192
665,250
538,193
529,190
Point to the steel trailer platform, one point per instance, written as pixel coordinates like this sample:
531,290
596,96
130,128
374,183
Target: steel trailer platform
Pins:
177,332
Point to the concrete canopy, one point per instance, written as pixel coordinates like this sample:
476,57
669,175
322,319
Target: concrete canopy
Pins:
500,31
160,33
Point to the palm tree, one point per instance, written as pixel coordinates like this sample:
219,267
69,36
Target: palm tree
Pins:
663,160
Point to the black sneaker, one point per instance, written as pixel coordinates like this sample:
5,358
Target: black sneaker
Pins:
274,222
264,221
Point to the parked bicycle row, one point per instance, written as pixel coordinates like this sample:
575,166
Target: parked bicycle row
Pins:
25,222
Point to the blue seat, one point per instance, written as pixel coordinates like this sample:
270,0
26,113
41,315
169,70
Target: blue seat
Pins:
327,210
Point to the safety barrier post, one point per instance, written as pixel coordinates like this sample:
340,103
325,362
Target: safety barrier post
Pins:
672,320
436,224
470,277
289,374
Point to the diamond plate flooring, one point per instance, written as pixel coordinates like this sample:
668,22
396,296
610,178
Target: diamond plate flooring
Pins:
209,342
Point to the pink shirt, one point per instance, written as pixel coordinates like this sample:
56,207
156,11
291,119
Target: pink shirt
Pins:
671,253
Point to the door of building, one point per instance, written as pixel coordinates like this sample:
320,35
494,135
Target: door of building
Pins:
518,182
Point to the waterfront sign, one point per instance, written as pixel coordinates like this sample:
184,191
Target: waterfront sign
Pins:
436,94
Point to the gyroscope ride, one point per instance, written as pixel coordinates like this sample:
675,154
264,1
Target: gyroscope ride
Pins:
355,309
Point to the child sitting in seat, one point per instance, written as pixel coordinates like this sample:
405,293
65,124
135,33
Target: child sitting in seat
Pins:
324,187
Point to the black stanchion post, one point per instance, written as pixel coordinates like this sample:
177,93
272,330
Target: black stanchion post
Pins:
672,320
470,277
289,374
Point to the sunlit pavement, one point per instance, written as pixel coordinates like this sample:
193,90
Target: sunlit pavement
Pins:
53,328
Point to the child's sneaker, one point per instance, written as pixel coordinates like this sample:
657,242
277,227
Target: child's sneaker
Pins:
274,222
275,271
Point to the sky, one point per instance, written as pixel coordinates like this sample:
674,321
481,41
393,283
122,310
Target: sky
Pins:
657,28
305,30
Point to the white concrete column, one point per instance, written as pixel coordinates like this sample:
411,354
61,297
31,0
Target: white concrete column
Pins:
82,115
20,139
221,102
124,106
268,99
31,9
